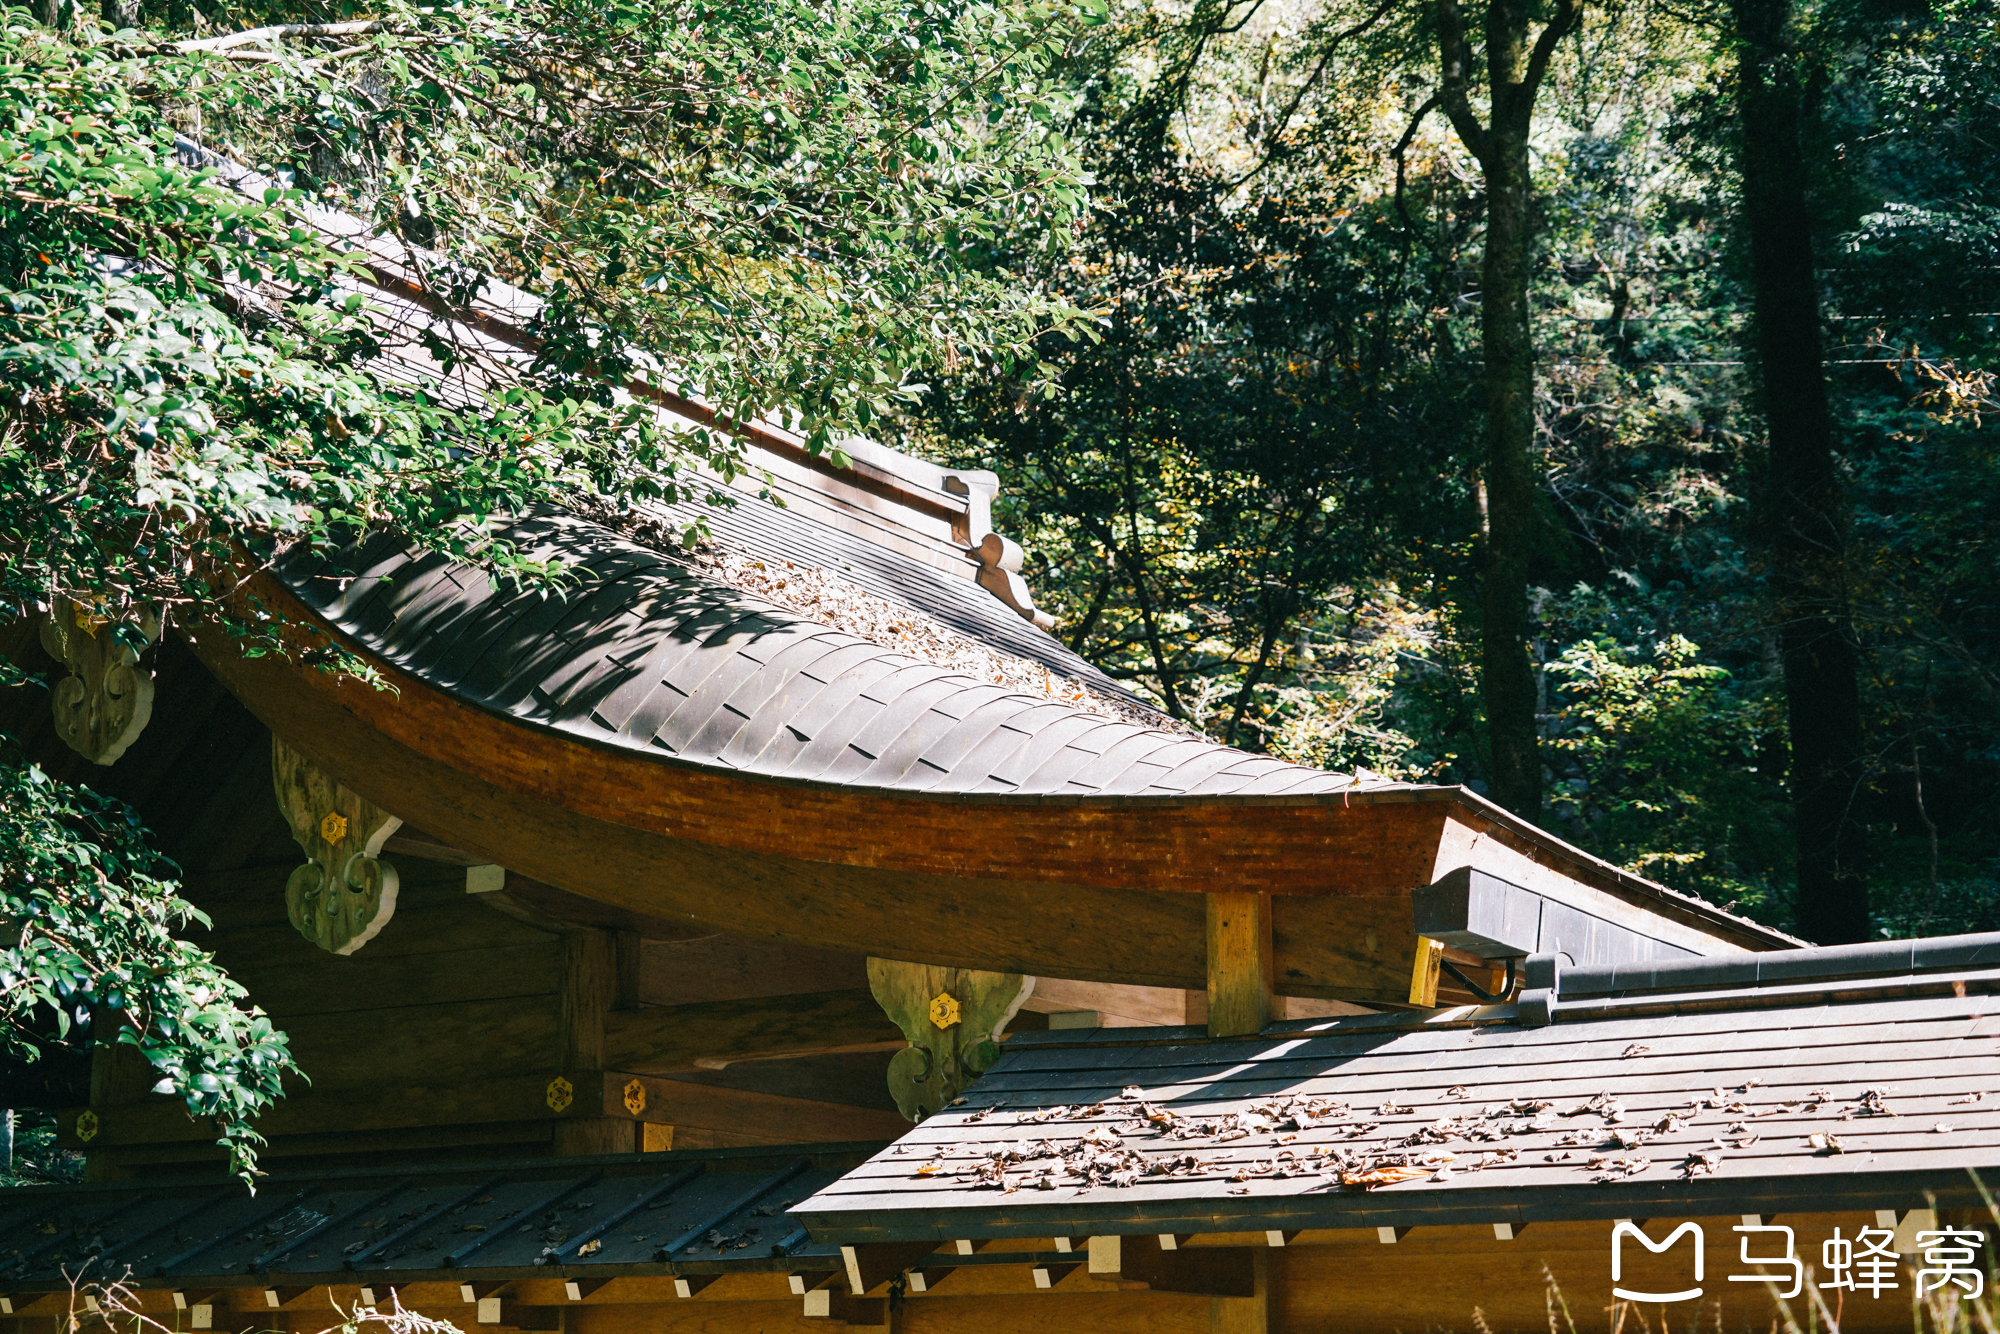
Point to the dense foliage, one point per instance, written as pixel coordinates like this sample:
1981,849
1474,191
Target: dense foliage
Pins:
1261,499
91,951
777,207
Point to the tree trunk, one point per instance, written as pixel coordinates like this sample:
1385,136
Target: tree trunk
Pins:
1803,523
1508,678
1515,67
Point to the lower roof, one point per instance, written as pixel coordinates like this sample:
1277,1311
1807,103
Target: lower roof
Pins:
1834,1088
699,1212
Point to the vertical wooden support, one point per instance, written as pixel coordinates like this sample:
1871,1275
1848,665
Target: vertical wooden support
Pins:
1425,972
1246,1315
589,986
1239,963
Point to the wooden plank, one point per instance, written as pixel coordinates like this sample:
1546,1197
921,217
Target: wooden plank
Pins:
463,1042
363,981
662,1039
1240,963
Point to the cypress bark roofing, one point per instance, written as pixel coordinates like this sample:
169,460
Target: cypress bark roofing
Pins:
648,654
719,1211
1830,1086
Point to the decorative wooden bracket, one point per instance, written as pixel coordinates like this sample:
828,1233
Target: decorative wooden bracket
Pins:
952,1018
344,895
106,700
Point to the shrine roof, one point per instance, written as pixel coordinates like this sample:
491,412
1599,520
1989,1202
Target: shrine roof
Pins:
648,653
1845,1078
695,1212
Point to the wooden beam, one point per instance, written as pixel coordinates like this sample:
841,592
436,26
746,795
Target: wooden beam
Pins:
1240,963
665,1039
1143,1262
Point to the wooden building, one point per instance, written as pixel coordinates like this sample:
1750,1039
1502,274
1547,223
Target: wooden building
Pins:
626,926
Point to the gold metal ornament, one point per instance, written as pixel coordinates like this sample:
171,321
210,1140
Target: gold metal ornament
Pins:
86,1126
561,1094
944,1010
345,893
635,1097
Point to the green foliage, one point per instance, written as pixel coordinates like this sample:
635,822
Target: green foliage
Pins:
786,209
90,953
1668,780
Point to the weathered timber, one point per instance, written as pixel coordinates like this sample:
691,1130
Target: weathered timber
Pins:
1240,963
663,1039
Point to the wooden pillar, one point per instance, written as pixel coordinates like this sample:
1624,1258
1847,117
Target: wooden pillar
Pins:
589,988
1239,963
1246,1315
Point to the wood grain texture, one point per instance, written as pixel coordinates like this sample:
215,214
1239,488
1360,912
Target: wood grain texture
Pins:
1240,963
686,1037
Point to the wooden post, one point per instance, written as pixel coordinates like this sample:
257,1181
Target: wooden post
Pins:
589,988
1239,963
1245,1315
1425,971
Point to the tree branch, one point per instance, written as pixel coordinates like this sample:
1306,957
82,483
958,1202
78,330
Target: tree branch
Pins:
1451,93
1568,14
275,31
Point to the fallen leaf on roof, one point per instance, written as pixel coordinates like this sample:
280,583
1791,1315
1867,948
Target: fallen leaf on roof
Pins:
1382,1176
1968,1098
1636,1049
1940,1129
1825,1143
1392,1108
1700,1164
1457,1091
590,1248
1616,1168
929,1169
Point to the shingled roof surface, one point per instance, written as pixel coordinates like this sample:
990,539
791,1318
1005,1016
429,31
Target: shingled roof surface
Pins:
647,653
1690,1087
656,1213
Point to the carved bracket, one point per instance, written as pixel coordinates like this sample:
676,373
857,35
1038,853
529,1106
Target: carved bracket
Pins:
106,700
952,1018
344,895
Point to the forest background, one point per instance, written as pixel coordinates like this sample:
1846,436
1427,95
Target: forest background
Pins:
1261,496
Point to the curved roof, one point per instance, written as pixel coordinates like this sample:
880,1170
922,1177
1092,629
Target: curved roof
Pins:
647,654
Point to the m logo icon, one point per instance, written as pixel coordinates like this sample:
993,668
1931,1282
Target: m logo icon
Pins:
1626,1229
